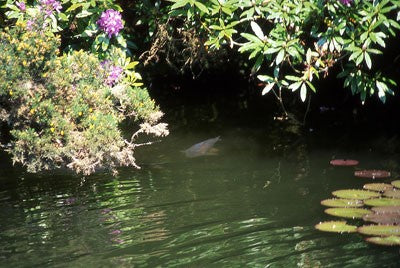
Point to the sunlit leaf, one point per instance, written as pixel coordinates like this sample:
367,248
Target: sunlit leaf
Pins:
336,227
355,194
257,30
381,202
280,56
303,92
384,241
352,213
267,88
384,230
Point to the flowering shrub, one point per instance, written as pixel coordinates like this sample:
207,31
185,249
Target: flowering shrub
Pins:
65,110
293,42
113,72
110,22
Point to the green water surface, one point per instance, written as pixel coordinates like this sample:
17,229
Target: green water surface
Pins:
254,204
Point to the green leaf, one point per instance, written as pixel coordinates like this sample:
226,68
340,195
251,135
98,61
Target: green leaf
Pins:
265,78
336,227
382,230
339,202
179,4
295,86
308,56
267,88
384,241
367,60
359,59
257,30
310,85
355,194
73,7
201,6
292,78
251,37
280,56
84,14
355,55
383,201
303,92
353,213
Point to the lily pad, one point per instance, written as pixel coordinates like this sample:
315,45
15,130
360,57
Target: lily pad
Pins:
385,241
384,201
355,194
372,174
353,213
336,227
396,183
392,193
344,162
383,230
386,209
339,202
384,218
378,187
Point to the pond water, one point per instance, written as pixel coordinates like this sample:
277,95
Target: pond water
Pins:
253,204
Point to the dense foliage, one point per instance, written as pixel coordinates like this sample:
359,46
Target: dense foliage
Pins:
292,42
65,109
68,81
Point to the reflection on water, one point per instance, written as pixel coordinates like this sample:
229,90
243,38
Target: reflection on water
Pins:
254,204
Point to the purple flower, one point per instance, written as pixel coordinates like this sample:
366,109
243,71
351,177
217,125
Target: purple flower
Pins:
114,72
110,22
49,6
21,5
29,24
346,2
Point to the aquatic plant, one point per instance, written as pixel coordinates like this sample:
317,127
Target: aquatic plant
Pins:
340,202
378,187
352,213
383,218
344,162
383,230
372,174
384,241
355,194
386,209
383,201
336,227
396,183
385,213
392,193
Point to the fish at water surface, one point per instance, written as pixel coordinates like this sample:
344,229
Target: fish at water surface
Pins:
201,148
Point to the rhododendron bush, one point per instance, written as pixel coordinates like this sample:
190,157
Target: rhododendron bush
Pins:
293,43
65,108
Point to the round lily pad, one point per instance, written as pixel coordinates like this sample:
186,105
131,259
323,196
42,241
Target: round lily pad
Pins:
340,202
344,162
384,218
372,174
378,187
336,227
386,209
385,241
396,183
383,230
392,193
384,201
355,194
353,213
